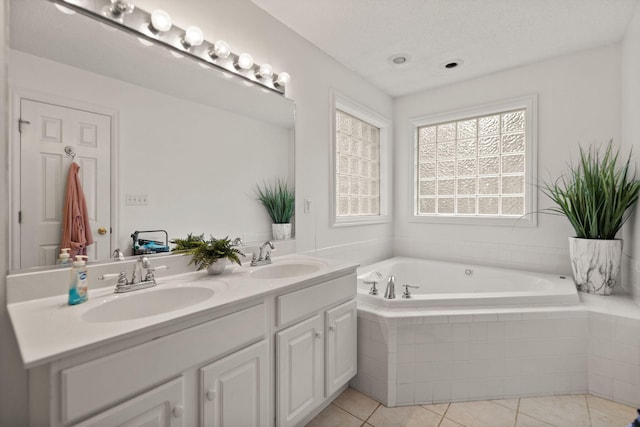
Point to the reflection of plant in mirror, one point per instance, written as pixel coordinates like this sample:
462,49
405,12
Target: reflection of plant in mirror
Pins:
205,253
279,200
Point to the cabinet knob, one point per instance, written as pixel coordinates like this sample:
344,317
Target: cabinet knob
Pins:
318,335
178,410
211,394
332,328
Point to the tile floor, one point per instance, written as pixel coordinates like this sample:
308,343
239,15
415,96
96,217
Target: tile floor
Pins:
354,409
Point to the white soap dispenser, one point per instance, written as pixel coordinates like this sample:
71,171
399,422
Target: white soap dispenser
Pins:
64,259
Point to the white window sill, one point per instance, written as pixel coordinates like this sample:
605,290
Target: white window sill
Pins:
364,220
529,220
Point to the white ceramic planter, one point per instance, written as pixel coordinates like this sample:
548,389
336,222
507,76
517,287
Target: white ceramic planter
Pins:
217,267
595,264
281,231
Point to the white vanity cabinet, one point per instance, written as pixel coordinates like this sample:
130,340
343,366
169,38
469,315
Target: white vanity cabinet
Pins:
300,354
270,360
153,383
162,406
315,356
342,345
235,390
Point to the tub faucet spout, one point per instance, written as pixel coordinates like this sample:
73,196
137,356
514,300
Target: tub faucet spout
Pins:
390,293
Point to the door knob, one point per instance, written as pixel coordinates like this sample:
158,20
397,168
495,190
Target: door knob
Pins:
102,230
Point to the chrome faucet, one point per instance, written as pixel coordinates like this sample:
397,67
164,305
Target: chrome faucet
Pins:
264,256
137,280
117,255
142,262
390,293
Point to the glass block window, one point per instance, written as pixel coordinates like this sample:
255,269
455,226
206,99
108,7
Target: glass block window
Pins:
357,167
473,167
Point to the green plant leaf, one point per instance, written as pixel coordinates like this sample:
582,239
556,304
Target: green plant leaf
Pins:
279,200
596,194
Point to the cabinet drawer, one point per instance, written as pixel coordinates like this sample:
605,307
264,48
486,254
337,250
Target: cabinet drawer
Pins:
103,382
298,304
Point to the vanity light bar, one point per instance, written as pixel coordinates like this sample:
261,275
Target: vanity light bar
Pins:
157,28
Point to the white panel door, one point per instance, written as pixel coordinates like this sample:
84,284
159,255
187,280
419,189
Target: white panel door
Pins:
300,374
235,389
43,177
162,406
342,348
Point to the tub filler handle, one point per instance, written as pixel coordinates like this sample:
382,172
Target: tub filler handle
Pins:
373,290
407,292
373,283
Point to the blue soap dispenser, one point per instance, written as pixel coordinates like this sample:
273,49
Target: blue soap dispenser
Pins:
78,286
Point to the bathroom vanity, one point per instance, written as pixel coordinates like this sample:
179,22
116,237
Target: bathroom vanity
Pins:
258,346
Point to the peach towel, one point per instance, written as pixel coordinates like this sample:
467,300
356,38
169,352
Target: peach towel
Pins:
76,231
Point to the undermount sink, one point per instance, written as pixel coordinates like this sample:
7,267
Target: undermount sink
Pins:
135,306
281,271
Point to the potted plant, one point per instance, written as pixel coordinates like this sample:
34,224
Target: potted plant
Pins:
595,195
212,254
279,200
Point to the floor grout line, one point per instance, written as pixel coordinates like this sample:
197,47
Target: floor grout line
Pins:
371,414
588,410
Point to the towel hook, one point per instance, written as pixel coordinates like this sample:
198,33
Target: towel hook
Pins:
70,152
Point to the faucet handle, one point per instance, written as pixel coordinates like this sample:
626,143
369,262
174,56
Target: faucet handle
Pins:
407,292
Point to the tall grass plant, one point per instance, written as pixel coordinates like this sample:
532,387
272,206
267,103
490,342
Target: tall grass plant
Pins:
596,194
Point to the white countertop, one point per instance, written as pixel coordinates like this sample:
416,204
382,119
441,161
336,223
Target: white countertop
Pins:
48,329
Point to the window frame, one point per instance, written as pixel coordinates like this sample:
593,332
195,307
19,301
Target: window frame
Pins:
530,217
342,103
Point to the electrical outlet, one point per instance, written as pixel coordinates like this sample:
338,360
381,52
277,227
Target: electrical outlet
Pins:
137,200
308,205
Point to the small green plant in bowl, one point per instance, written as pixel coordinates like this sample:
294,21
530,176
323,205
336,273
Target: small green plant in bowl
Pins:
207,253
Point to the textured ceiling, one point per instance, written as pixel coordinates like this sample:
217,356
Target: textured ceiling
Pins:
488,35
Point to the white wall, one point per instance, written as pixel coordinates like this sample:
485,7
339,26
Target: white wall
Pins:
248,28
578,102
630,97
13,383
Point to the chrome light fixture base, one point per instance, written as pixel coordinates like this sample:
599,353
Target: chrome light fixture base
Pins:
124,16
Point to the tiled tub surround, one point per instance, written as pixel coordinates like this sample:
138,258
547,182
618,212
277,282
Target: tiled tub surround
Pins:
411,357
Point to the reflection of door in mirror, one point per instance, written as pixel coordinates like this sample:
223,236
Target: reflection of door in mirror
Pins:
45,130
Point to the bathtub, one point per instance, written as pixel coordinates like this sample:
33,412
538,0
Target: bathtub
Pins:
469,333
447,285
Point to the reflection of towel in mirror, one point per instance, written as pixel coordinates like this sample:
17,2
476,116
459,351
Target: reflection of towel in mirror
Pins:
76,232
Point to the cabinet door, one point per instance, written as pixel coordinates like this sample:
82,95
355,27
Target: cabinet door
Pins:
235,389
162,406
341,345
300,370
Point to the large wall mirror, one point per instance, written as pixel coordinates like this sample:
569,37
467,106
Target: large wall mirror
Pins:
162,143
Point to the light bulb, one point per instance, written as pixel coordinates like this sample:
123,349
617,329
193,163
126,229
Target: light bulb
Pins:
193,37
160,20
266,71
220,50
245,61
64,9
283,79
